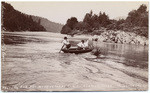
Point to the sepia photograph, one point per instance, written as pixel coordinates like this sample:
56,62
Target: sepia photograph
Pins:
74,46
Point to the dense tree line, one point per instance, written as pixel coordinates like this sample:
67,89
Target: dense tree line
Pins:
136,21
13,20
89,23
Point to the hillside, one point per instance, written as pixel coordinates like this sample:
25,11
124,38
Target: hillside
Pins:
48,25
14,20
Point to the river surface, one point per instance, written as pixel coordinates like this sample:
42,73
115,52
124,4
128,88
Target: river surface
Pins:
31,62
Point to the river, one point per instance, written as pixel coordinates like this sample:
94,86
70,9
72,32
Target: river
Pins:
31,62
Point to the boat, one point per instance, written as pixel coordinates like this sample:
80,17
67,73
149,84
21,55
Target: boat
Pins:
76,50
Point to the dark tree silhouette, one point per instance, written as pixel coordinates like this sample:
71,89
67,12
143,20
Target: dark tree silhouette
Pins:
72,22
13,20
70,25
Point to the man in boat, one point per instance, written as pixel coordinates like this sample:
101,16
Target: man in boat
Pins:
66,43
81,45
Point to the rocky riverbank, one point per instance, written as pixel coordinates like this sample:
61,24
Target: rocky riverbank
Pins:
123,37
119,36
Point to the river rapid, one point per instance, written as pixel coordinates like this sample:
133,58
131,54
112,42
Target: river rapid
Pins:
31,62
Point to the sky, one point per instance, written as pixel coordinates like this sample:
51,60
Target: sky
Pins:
59,12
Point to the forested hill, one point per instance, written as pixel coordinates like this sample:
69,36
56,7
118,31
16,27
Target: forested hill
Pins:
48,25
14,20
95,24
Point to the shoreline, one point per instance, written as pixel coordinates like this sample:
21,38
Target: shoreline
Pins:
121,38
143,40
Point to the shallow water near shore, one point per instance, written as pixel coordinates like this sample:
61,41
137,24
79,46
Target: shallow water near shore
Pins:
31,62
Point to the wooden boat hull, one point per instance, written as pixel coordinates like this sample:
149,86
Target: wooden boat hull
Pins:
76,51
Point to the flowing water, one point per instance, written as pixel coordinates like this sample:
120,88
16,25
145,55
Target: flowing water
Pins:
31,62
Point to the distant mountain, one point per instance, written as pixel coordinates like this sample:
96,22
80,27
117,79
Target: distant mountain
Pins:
14,20
48,25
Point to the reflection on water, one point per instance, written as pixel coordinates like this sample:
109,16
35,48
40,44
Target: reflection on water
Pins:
134,55
32,59
8,38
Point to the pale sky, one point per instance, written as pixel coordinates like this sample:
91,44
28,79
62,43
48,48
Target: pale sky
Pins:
60,11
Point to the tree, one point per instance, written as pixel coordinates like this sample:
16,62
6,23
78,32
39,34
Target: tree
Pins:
72,22
91,13
138,17
39,21
142,8
137,20
82,26
95,22
105,20
65,29
88,18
